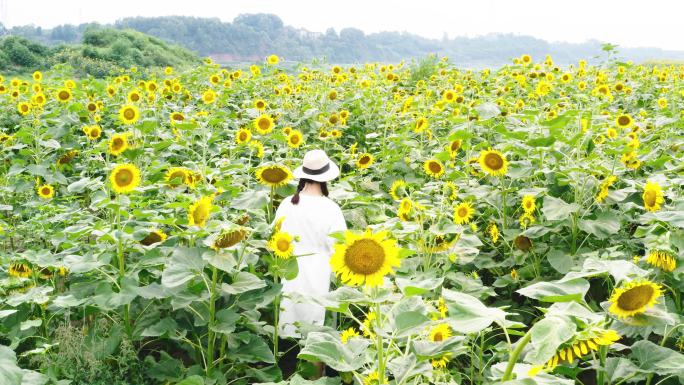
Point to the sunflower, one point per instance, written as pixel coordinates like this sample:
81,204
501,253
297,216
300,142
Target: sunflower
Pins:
20,270
281,244
394,189
449,96
454,147
652,196
274,176
177,175
463,213
37,76
364,160
434,168
587,342
198,213
118,143
129,114
263,124
440,333
229,238
154,236
294,139
67,157
442,361
373,378
624,121
493,162
176,117
523,243
93,132
134,96
260,105
452,189
24,108
272,59
529,204
64,95
209,97
124,178
493,231
634,298
46,191
442,242
662,259
526,220
243,136
603,189
347,334
421,125
365,258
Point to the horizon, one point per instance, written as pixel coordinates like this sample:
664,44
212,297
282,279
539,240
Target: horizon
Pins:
660,35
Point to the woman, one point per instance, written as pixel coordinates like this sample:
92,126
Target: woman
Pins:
311,216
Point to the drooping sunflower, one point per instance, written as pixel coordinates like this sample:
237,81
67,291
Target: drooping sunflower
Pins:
364,160
523,243
624,121
124,178
584,343
653,196
603,188
529,204
634,298
281,244
154,236
365,258
176,117
662,259
67,157
129,114
274,175
20,270
229,238
199,212
64,95
46,191
294,139
442,361
493,162
454,147
243,136
118,143
463,213
263,124
434,168
394,189
420,125
177,175
440,332
347,334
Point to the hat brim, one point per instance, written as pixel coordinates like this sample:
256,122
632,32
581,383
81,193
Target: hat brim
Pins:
332,173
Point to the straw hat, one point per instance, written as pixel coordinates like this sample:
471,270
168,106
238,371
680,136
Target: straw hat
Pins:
317,166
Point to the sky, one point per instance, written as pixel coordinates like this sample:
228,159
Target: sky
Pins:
628,23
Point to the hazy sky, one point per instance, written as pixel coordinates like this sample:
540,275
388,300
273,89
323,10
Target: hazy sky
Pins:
629,23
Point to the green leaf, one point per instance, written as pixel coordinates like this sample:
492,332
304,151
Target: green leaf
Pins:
547,335
468,315
417,287
192,380
255,350
557,291
331,351
403,368
226,320
603,226
165,327
184,264
657,359
243,282
409,323
560,261
555,209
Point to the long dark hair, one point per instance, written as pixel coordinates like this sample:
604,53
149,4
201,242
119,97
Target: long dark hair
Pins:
300,187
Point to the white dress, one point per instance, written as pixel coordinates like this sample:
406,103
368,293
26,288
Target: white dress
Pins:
312,219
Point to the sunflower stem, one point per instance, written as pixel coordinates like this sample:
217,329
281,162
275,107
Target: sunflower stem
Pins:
276,316
381,362
514,355
212,320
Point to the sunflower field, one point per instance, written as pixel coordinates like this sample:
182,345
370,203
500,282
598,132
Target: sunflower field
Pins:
521,225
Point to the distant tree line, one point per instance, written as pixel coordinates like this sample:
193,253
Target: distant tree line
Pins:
253,36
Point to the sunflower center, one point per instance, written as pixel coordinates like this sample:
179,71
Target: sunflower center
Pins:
493,161
177,117
46,190
117,142
274,175
455,145
650,198
24,107
200,214
635,298
438,337
523,243
283,245
260,105
462,212
435,167
365,257
124,177
243,136
623,120
364,159
294,139
63,95
151,239
129,113
264,124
